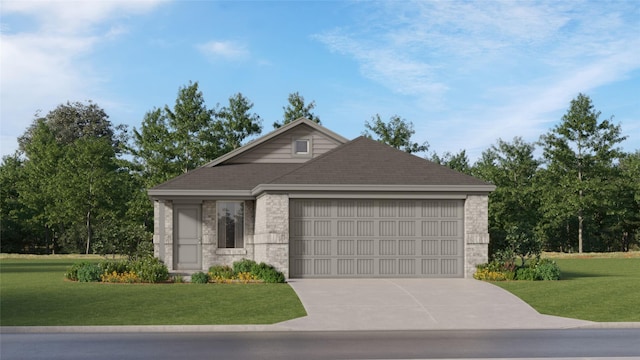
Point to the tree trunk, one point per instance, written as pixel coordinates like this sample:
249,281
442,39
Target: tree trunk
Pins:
88,231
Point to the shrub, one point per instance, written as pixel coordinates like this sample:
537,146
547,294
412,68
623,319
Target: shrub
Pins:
221,272
199,278
72,271
526,273
150,269
117,266
89,273
267,273
128,277
243,265
547,269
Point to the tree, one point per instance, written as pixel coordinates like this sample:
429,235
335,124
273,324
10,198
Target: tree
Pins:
173,142
397,133
458,162
297,109
14,217
514,205
235,123
579,155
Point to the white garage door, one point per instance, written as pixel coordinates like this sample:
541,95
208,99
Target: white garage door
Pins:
376,238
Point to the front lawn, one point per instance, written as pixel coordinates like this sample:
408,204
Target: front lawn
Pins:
603,288
33,292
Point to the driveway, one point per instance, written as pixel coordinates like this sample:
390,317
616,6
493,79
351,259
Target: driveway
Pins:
414,304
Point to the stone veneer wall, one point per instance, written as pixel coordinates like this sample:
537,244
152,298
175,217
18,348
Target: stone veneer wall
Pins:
163,232
476,232
271,239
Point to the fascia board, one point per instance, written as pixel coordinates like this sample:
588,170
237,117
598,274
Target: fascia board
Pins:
358,188
274,134
172,194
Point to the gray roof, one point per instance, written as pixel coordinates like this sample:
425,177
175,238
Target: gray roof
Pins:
369,162
361,161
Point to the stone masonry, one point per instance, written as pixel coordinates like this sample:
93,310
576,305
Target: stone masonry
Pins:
476,232
271,239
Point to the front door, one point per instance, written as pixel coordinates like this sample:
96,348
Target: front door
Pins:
188,238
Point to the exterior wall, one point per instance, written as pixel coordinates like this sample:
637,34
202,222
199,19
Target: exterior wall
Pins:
163,232
271,239
279,149
476,232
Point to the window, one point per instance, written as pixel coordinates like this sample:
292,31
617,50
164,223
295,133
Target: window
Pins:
230,224
301,147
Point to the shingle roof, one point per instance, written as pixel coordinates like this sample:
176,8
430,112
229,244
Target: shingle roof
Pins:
369,162
360,161
227,177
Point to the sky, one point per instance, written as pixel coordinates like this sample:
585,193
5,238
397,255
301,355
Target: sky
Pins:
465,73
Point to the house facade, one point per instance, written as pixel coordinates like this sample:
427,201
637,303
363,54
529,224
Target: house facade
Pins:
314,204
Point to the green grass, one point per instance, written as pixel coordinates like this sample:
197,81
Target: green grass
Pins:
33,292
602,288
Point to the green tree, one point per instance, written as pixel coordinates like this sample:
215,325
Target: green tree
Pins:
514,205
235,123
397,133
171,142
458,162
15,234
297,109
579,155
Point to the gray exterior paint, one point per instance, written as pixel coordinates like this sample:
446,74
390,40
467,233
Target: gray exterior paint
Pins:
337,172
376,238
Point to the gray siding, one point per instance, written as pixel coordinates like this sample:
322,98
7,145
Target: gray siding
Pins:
279,149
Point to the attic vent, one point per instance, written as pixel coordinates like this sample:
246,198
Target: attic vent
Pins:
301,147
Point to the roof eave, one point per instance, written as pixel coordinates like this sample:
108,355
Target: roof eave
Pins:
360,188
158,194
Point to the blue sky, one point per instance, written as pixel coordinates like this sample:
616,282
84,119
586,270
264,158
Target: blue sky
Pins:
465,73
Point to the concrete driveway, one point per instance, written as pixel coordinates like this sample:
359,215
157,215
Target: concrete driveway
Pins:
414,304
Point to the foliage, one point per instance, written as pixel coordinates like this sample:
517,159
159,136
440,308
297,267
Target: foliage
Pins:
244,265
221,272
89,272
500,270
396,133
579,155
260,271
199,278
72,271
458,162
297,109
235,123
128,277
150,269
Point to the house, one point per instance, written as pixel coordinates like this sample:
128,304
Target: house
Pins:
314,204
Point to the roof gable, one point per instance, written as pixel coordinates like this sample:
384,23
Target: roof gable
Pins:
369,162
254,150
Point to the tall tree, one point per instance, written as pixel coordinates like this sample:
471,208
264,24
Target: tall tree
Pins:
514,205
236,123
579,154
297,109
397,133
173,141
458,162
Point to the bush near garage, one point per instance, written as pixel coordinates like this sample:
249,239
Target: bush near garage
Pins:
245,271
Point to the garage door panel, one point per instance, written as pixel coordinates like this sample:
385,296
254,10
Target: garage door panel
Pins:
397,238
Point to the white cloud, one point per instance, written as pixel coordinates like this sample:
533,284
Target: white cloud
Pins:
43,55
484,70
227,50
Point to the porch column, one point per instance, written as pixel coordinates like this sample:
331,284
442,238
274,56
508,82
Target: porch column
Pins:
476,232
271,239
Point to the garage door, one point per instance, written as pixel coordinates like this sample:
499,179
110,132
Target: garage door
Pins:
376,238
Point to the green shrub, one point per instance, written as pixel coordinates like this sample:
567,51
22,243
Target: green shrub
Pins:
89,273
267,273
150,269
243,265
221,272
526,273
72,271
199,278
117,266
547,269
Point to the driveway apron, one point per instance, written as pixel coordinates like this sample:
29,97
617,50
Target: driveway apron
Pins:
414,304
